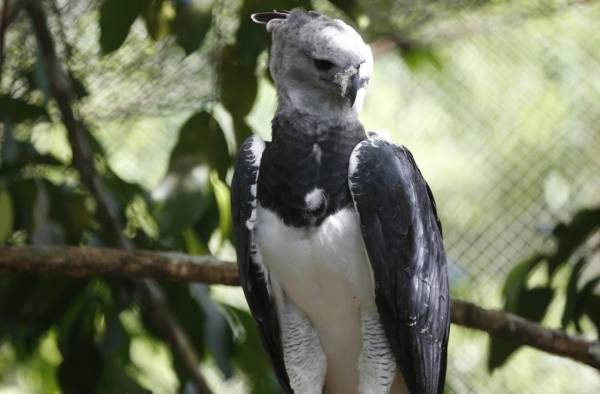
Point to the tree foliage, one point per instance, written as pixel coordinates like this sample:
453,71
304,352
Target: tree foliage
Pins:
93,323
576,248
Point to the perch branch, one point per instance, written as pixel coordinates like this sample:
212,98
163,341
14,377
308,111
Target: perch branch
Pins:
84,262
106,210
525,332
81,262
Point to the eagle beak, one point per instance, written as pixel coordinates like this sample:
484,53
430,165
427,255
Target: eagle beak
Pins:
350,82
354,84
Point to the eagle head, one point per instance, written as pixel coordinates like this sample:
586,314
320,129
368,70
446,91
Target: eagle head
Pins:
319,64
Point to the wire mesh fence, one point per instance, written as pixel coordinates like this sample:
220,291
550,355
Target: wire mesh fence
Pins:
502,113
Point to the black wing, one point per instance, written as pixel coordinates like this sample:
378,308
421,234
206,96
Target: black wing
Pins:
404,244
253,277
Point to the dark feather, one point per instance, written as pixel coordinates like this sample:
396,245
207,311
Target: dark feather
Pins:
403,239
256,286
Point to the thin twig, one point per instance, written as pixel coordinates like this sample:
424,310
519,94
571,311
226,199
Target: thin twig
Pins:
81,262
106,211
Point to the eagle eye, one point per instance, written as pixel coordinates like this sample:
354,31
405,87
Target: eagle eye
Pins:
323,65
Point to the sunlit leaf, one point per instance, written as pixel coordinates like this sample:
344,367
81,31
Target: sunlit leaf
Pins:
223,199
419,56
158,16
193,245
6,215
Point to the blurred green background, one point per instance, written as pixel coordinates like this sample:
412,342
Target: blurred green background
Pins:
499,101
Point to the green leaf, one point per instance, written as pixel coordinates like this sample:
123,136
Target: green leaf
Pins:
201,140
123,192
116,18
81,366
77,86
186,193
192,21
572,235
180,210
49,213
193,245
237,77
208,222
188,312
158,17
115,341
242,129
582,301
14,155
117,379
532,305
218,336
24,193
238,62
190,316
592,310
516,281
249,355
223,199
16,110
69,208
350,7
31,305
419,56
572,293
6,215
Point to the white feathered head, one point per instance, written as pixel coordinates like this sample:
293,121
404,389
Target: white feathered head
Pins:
317,62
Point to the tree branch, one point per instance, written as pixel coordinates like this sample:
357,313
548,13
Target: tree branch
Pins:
107,211
517,329
80,262
84,262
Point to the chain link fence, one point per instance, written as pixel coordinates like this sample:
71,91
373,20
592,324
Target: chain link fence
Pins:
501,111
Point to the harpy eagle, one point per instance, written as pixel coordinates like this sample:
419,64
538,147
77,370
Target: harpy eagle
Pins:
338,242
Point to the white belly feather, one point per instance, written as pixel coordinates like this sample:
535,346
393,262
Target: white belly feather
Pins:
325,272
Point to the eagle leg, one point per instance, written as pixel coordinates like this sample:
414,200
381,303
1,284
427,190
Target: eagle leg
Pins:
376,362
305,361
